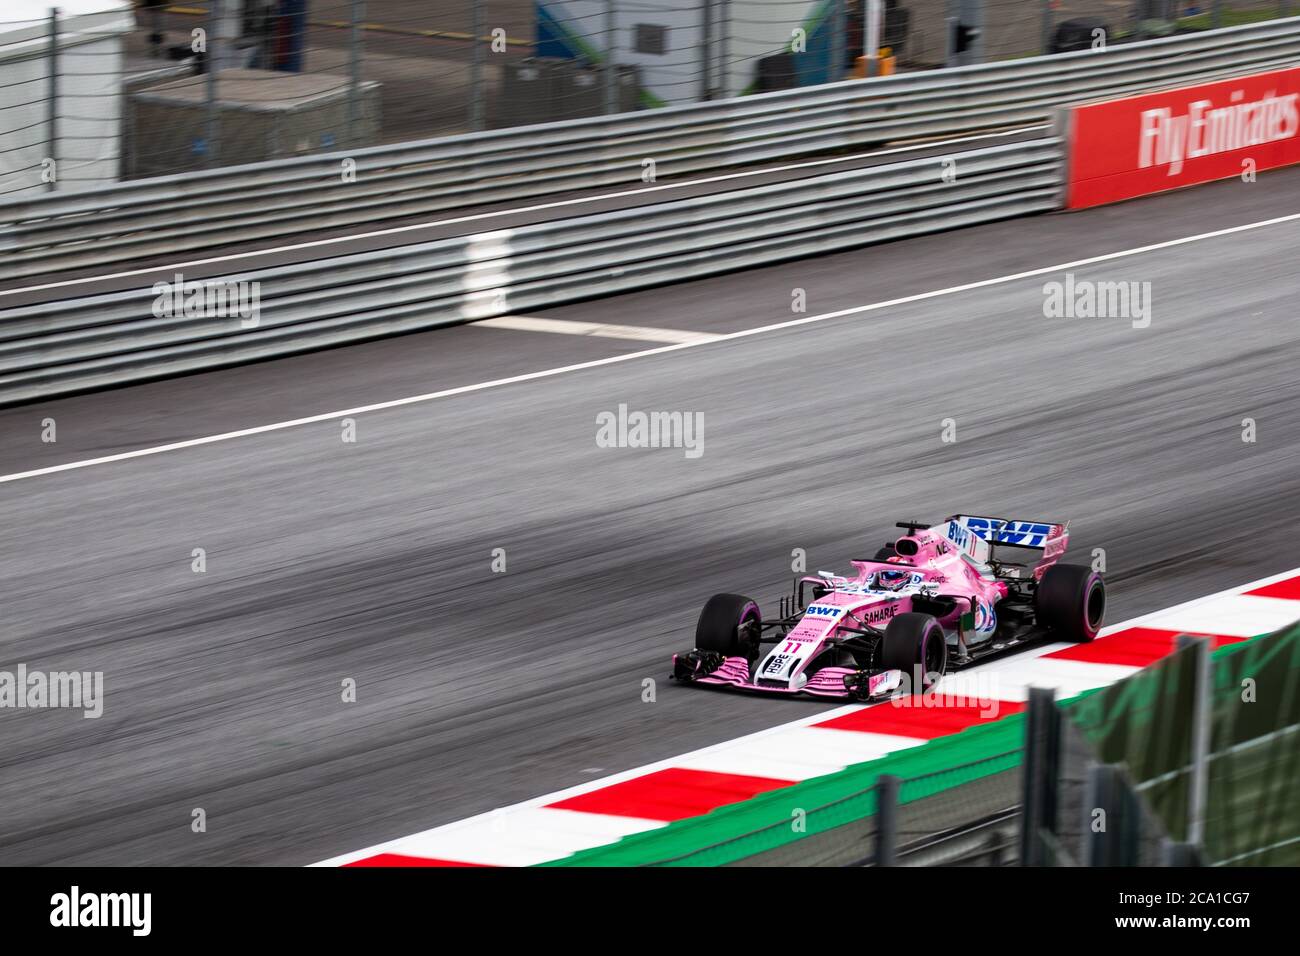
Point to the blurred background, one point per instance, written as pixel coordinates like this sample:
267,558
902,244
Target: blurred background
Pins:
127,89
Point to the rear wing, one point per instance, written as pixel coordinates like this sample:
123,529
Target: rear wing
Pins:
994,535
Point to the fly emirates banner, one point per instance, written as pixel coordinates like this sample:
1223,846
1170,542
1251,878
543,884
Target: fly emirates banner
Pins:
1157,141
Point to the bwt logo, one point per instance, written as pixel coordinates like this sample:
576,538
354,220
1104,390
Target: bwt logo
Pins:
209,299
1028,533
821,610
961,536
1083,299
651,430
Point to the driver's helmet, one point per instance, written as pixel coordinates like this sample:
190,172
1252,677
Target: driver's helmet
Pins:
892,580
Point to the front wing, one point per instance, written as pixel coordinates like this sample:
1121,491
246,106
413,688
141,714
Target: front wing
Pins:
702,667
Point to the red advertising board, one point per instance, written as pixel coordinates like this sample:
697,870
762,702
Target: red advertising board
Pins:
1157,141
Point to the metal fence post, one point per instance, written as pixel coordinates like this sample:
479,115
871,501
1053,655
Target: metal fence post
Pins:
211,64
887,820
1216,15
1048,23
1098,795
958,15
1116,843
476,67
1173,853
1200,756
723,82
1041,775
52,106
840,42
611,58
871,38
156,10
706,51
354,66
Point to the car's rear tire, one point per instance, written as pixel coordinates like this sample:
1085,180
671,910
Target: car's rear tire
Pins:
915,644
885,553
1071,602
719,626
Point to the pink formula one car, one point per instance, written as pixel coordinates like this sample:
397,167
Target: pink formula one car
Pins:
938,597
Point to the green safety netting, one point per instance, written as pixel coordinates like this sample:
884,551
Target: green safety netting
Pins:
1146,723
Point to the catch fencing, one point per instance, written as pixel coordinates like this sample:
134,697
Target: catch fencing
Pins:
254,204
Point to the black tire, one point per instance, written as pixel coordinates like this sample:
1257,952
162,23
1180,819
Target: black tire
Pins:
885,553
1071,602
719,625
915,644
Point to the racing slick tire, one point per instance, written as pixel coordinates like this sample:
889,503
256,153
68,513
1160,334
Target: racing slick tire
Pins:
1071,602
719,626
915,644
885,553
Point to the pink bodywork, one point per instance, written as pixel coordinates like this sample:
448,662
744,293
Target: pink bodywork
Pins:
942,567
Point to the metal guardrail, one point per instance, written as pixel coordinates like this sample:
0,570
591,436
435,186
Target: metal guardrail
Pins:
172,214
114,338
992,840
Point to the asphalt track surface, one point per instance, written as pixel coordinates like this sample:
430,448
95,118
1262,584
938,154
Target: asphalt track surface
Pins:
372,561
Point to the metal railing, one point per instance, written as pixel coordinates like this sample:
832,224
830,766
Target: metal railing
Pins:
990,841
169,215
112,338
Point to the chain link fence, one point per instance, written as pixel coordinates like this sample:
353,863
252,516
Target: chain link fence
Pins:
1227,790
128,89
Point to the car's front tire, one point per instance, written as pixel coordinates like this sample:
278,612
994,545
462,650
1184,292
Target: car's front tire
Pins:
720,626
1071,602
915,644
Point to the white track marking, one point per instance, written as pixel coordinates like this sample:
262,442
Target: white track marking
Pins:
485,838
800,753
540,207
1237,615
1009,679
629,356
525,836
640,333
1177,612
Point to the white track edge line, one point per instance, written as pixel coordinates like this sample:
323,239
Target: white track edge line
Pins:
600,330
